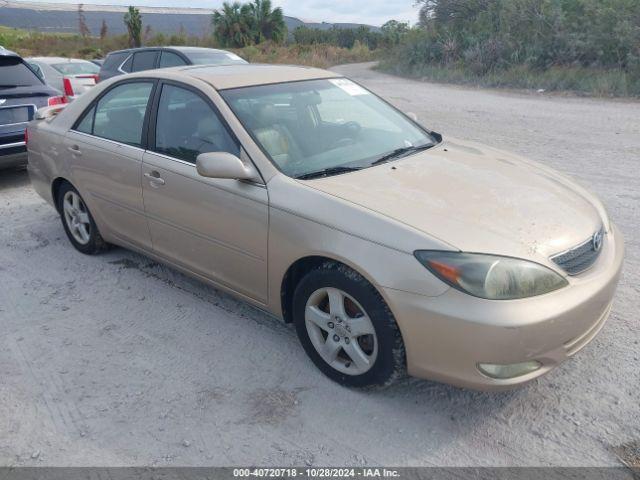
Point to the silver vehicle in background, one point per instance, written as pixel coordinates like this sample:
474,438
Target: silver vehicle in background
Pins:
72,76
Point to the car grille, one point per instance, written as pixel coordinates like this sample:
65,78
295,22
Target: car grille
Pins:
580,258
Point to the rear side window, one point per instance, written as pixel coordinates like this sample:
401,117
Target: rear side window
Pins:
86,124
170,59
114,60
187,126
144,61
119,114
14,73
126,66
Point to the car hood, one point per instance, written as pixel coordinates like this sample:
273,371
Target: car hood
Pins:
476,199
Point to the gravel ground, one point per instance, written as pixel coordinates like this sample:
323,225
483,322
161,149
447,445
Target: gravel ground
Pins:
116,360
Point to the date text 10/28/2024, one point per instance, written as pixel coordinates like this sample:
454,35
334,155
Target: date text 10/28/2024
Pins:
316,472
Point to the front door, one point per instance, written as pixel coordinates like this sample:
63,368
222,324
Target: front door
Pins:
214,227
105,150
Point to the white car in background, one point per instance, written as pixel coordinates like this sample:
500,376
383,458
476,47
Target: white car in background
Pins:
71,76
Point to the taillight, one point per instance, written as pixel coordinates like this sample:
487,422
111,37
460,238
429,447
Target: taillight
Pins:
68,89
94,76
26,136
57,100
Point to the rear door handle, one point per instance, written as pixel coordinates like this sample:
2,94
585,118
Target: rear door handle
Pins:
75,149
154,178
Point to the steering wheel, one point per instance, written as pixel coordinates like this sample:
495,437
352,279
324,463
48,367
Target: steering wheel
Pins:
352,130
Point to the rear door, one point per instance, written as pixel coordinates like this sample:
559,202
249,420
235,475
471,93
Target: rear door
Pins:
105,149
216,228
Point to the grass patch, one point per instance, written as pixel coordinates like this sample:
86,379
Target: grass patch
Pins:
320,56
578,80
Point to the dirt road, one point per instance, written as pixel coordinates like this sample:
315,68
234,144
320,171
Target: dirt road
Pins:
116,360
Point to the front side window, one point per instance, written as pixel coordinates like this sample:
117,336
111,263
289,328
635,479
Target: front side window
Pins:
119,114
187,126
325,126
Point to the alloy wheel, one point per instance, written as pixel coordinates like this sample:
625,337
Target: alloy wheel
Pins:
341,331
76,217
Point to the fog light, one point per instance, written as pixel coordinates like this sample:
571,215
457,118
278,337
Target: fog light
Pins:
503,372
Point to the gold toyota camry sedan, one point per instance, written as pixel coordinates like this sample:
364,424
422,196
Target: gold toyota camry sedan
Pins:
391,248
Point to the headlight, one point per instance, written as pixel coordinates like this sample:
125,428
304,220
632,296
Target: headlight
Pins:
490,276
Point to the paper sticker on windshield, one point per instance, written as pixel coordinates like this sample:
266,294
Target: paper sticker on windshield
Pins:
349,87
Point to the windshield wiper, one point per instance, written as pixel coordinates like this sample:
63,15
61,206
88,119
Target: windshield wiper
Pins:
401,152
327,172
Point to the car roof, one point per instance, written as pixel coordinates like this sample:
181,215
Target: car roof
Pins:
223,77
56,60
170,47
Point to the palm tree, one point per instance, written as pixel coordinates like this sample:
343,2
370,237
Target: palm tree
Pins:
232,25
133,21
268,23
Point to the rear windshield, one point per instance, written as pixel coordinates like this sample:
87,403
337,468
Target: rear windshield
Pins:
14,73
214,58
76,68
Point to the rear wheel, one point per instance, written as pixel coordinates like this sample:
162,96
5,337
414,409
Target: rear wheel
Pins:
78,223
346,328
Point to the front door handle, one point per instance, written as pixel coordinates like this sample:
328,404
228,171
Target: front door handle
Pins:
75,149
154,178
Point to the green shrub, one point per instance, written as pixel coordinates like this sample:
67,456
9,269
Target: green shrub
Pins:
582,45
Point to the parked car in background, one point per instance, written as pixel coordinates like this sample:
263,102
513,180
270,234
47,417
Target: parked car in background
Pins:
388,246
71,76
97,61
22,92
149,58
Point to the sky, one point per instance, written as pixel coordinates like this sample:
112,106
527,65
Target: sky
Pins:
372,12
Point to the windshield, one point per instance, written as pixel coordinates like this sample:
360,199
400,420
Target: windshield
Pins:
214,58
14,73
77,68
324,126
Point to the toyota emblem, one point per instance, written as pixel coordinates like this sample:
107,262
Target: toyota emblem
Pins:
597,241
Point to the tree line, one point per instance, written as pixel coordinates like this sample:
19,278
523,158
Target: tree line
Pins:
237,25
492,35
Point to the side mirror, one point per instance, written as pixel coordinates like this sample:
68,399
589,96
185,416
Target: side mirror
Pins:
412,116
223,165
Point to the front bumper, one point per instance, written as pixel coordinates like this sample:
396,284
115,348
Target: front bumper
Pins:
446,337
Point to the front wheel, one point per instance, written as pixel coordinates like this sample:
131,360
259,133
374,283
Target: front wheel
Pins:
346,328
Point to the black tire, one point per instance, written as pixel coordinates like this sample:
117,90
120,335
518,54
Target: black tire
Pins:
390,362
96,243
